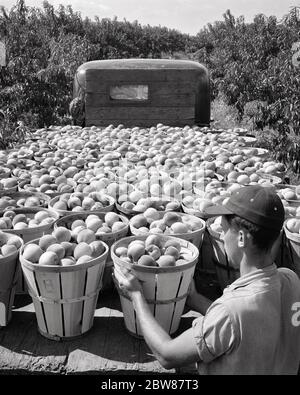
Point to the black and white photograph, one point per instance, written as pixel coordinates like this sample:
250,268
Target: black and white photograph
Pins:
149,191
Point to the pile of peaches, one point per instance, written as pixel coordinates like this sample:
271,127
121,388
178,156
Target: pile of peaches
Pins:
15,221
154,252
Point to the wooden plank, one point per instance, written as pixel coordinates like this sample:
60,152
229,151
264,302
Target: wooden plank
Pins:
170,99
99,77
72,287
142,113
49,286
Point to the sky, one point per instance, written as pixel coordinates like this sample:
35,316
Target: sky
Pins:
187,16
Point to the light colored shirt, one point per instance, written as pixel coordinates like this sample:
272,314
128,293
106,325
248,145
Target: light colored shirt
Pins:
250,328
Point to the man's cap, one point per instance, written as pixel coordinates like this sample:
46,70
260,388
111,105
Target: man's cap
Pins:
259,205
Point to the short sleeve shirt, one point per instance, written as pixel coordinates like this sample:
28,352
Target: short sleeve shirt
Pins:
249,330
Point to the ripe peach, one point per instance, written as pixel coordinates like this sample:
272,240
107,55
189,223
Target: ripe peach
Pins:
172,206
49,258
87,203
128,205
9,214
62,234
151,214
58,249
173,251
3,224
83,259
86,235
82,249
146,260
14,240
153,240
118,226
21,225
60,205
135,251
68,261
73,202
8,249
166,261
170,218
153,251
46,240
138,221
94,224
121,251
40,215
68,247
77,223
32,253
97,248
19,218
173,243
111,218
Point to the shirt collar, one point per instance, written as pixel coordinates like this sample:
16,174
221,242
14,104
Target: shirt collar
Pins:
256,275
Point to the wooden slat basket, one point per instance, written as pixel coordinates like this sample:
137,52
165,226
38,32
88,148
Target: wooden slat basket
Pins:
165,288
31,234
9,271
64,297
108,238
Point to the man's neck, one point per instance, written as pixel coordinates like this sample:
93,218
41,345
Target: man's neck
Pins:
250,264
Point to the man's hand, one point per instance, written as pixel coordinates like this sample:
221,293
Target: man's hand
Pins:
127,280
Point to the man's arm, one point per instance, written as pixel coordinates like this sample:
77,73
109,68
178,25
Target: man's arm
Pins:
171,353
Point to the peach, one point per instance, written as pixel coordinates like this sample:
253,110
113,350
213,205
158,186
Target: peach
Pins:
172,206
82,249
58,249
32,253
173,243
146,260
14,240
293,225
153,240
21,225
46,240
87,203
121,251
94,224
136,251
118,226
9,214
97,247
62,234
153,251
173,251
60,205
86,235
77,223
7,249
111,218
166,261
3,224
138,221
84,259
68,247
40,215
170,218
49,258
73,202
19,218
128,205
68,261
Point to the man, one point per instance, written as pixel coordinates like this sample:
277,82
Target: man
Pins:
250,328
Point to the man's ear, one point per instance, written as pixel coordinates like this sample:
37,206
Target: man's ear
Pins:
241,239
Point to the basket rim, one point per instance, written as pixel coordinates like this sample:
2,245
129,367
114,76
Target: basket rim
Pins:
56,268
86,213
202,229
156,269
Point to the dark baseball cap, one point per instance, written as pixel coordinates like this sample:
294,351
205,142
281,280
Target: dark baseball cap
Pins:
259,205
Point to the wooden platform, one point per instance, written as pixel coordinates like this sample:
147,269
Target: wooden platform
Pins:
107,348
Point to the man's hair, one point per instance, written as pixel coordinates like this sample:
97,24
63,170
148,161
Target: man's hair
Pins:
263,238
